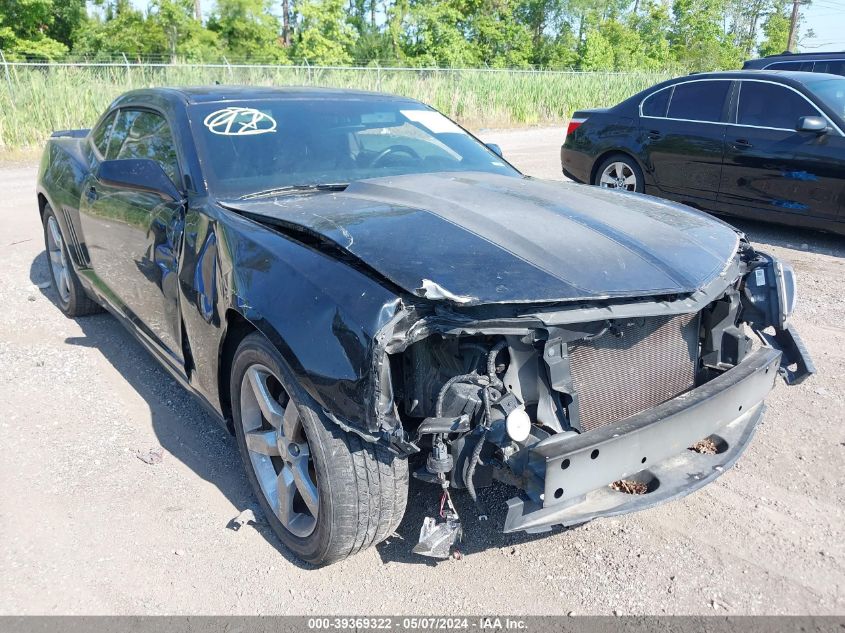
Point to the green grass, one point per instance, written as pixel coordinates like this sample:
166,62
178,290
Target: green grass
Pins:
34,101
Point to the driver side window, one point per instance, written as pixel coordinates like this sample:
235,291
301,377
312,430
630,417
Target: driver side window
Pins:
144,134
770,105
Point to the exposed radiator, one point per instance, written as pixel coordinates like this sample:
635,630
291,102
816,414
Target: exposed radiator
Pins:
653,361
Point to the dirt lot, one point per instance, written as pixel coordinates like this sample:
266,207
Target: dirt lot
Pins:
87,527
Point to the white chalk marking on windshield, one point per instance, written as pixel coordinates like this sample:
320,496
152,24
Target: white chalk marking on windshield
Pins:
236,121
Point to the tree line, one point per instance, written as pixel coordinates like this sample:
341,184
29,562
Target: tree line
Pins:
619,35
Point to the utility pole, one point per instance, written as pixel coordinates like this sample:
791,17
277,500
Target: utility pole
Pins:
197,10
793,26
286,22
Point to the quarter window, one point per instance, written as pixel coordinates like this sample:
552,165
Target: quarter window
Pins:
143,134
699,100
833,66
656,104
802,66
103,132
770,105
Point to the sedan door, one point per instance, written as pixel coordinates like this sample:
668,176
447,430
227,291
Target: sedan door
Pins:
134,236
683,135
771,170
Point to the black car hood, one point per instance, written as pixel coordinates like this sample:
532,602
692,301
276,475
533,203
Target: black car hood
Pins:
477,238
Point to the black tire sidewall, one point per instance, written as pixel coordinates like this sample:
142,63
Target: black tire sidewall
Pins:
622,158
255,348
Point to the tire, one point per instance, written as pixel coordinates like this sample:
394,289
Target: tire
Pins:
620,172
361,488
71,297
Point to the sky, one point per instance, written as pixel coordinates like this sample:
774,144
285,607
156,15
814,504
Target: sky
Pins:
826,18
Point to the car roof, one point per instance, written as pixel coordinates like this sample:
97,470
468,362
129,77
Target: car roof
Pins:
799,56
222,94
786,76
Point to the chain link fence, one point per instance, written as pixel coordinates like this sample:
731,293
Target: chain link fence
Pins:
37,97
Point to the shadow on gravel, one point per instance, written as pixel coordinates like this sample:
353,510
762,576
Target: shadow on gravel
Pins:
180,423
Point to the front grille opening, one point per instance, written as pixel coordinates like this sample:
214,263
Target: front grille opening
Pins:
641,483
629,486
616,376
710,445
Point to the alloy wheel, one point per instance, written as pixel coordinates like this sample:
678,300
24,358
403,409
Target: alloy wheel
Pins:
618,175
278,450
58,260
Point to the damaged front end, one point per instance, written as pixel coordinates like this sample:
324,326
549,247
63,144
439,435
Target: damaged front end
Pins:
590,409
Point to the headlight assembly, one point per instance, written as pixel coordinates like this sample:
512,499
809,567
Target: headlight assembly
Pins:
769,293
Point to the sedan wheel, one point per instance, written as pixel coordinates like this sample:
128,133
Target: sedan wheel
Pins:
279,450
325,492
618,175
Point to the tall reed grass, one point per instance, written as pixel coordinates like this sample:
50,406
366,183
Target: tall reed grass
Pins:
35,100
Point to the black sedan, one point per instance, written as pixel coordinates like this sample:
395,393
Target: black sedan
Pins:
348,280
759,144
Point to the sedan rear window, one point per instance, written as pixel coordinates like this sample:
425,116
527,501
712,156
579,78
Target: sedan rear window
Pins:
699,100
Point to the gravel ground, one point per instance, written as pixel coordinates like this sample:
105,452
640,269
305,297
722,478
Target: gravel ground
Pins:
88,527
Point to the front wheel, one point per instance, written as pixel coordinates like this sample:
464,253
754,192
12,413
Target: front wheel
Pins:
72,299
326,493
621,173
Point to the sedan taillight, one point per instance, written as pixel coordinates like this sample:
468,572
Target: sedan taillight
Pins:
574,124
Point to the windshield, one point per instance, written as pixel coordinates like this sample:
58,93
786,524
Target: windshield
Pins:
831,91
259,146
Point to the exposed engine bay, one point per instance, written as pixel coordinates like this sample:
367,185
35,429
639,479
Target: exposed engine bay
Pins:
481,406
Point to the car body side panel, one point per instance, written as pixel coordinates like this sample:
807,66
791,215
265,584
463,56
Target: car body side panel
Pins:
603,133
784,172
322,314
684,157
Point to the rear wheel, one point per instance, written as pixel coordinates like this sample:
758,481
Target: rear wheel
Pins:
326,493
72,298
620,172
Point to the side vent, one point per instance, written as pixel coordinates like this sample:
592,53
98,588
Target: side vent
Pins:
80,251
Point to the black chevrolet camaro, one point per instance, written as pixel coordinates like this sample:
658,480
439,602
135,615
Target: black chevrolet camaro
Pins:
758,144
351,282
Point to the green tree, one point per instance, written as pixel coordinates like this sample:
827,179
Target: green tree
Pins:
596,52
776,29
500,39
184,36
25,30
325,36
698,39
434,35
248,30
123,29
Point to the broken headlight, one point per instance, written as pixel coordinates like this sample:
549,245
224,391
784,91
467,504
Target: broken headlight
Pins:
769,293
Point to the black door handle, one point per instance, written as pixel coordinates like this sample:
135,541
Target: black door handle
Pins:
741,143
91,194
654,134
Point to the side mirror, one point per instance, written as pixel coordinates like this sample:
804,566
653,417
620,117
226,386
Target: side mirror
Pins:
495,149
815,124
140,174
